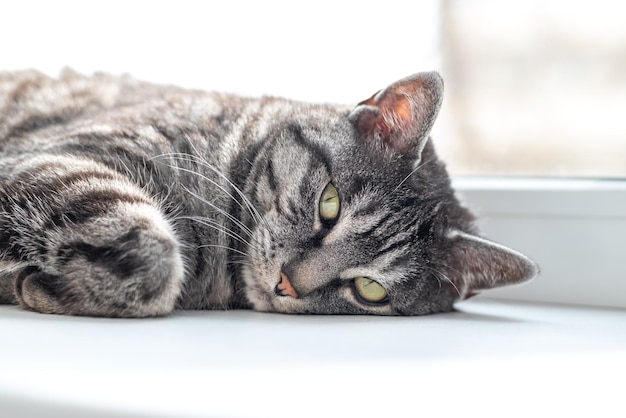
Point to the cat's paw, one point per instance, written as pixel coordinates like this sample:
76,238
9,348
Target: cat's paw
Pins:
138,273
38,291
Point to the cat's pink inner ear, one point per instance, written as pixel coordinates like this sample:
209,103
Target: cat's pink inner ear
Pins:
401,116
392,105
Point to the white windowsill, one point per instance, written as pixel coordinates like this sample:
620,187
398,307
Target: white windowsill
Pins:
490,359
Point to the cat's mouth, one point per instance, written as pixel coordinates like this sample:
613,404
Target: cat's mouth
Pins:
284,287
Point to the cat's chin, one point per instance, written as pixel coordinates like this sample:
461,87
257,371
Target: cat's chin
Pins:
260,300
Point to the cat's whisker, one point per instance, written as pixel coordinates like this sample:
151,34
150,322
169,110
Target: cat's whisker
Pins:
250,207
256,216
221,228
253,211
234,220
226,247
439,275
415,170
210,181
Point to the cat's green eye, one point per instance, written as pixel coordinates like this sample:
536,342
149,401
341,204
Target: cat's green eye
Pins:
370,290
329,203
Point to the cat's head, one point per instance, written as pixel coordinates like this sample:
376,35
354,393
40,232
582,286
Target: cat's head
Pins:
357,215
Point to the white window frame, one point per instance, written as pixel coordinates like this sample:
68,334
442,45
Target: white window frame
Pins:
575,229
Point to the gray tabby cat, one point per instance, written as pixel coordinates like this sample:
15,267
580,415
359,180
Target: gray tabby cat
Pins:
126,199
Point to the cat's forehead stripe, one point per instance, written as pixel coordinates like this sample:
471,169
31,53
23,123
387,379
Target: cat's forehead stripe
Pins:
310,146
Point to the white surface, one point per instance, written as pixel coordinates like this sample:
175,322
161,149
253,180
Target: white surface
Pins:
488,359
574,229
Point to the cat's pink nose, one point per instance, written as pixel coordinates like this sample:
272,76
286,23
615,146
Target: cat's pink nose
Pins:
284,287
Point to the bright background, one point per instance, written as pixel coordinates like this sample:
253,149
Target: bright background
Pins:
532,87
324,51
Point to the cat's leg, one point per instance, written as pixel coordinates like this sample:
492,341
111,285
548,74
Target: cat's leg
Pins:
91,241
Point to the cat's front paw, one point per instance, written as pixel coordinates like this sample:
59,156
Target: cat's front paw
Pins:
137,273
38,291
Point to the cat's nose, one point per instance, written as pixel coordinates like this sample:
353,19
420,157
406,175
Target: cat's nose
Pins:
284,287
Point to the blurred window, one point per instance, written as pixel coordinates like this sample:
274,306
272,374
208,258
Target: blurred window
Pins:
534,87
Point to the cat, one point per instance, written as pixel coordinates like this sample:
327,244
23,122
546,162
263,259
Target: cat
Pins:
121,198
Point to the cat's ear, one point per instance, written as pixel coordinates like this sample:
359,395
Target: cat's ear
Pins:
400,117
475,263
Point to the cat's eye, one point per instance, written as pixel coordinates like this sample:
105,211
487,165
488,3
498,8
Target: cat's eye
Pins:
329,203
370,290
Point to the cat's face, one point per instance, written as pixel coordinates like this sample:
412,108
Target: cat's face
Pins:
357,215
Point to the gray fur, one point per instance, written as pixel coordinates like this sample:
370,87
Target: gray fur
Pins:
126,199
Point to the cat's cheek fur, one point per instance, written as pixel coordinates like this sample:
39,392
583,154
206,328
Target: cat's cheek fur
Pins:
255,293
261,273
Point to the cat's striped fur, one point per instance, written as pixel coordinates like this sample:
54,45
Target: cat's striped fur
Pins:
123,198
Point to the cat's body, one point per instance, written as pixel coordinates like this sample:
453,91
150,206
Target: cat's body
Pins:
122,198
